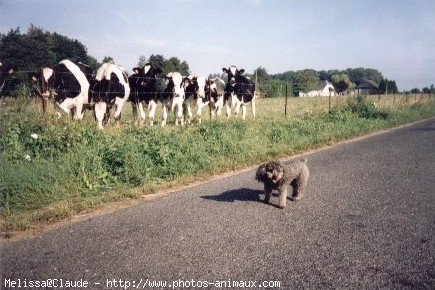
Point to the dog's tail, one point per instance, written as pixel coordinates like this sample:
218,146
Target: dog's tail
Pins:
304,160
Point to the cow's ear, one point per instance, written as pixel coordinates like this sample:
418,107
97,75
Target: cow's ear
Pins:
242,71
225,70
136,70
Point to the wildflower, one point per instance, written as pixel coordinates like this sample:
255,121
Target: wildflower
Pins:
34,136
27,157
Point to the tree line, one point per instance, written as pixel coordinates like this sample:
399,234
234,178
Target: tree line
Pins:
39,48
308,79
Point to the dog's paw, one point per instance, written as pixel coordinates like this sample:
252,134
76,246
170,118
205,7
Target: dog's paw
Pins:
295,198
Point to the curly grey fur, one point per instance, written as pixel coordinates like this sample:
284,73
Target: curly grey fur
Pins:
277,176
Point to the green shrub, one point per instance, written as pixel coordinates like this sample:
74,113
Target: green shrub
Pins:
366,110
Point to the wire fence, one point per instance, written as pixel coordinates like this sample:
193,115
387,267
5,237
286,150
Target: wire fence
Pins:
276,99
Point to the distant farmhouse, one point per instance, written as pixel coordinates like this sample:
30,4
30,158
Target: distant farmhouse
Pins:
323,89
367,87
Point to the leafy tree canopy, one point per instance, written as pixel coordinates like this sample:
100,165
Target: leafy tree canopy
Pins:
166,65
39,48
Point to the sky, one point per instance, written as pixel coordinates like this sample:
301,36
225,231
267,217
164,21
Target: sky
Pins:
396,37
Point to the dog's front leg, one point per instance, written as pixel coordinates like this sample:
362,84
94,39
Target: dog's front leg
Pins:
267,194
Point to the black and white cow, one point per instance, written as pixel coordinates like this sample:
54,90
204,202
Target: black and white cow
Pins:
144,89
4,72
215,88
172,97
243,88
109,88
194,96
68,85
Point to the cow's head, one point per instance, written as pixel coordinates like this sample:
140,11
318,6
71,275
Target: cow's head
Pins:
175,84
138,71
45,80
233,73
195,84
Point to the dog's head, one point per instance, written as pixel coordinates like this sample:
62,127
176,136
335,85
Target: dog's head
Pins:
270,172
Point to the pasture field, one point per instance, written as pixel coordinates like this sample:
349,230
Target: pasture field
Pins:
53,169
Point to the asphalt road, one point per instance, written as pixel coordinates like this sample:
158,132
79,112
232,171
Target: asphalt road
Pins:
367,221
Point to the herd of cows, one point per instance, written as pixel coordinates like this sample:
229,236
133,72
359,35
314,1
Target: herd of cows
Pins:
74,87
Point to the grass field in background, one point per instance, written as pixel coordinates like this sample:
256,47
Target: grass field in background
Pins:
52,169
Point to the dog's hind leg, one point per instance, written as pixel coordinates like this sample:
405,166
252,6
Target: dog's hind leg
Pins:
299,185
283,196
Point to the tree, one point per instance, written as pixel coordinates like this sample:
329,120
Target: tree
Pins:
107,59
306,80
38,48
341,82
142,61
166,65
388,86
157,61
359,75
261,74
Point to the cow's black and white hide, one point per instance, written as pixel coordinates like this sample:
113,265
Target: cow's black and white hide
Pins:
194,96
144,90
172,97
4,72
243,88
68,85
216,88
109,88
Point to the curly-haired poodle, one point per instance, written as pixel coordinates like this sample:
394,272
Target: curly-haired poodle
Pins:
278,176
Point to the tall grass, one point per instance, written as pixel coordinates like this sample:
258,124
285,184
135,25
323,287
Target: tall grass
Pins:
70,167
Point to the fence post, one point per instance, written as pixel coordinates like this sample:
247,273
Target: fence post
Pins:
286,99
329,102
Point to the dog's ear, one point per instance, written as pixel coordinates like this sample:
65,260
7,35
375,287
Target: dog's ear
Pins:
260,174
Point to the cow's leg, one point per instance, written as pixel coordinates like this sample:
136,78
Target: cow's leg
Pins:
100,111
152,107
178,112
212,106
243,111
228,107
67,105
106,119
142,114
79,113
177,107
237,108
188,113
119,103
134,112
165,114
218,110
200,104
253,107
